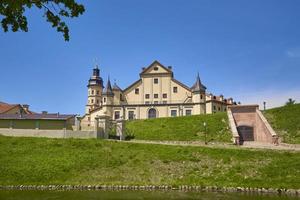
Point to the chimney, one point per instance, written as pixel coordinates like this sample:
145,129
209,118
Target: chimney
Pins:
44,112
25,107
221,97
170,67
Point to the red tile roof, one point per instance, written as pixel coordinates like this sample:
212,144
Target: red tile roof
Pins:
4,107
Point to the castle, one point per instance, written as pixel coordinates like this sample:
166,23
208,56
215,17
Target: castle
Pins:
156,94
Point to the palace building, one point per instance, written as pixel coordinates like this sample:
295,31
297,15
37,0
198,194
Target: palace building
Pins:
156,94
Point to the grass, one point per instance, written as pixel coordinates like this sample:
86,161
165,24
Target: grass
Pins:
42,161
188,128
286,122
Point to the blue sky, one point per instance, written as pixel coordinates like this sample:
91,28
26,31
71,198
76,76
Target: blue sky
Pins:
245,49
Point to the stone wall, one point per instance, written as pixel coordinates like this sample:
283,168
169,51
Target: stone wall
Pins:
47,133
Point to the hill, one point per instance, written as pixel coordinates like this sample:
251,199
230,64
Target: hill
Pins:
188,128
286,122
42,161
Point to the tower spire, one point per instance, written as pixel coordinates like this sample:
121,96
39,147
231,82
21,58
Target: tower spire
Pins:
198,87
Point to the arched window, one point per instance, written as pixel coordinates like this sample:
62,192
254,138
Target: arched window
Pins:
152,113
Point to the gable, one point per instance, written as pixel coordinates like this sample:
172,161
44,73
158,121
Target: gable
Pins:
132,86
156,68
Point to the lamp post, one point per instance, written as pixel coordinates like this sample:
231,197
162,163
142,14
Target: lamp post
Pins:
264,105
205,133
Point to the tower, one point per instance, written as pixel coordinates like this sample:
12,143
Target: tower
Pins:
198,96
108,95
95,88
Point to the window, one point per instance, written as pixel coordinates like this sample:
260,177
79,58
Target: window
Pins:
130,115
175,89
121,97
89,119
201,96
219,108
92,91
117,114
155,68
147,96
137,91
165,102
165,96
156,81
92,100
214,107
225,109
155,102
173,113
97,92
155,96
147,102
104,99
188,112
97,101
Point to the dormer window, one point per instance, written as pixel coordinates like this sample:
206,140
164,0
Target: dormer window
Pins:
155,68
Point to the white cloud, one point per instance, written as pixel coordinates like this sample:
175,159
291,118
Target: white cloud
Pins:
293,53
273,98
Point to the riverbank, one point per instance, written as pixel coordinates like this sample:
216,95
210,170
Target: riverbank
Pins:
183,188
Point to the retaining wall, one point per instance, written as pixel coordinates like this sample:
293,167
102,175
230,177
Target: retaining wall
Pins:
47,133
250,115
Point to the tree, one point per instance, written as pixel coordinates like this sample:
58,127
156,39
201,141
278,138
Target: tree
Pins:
290,102
12,13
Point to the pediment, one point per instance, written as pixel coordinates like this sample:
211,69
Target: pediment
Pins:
156,68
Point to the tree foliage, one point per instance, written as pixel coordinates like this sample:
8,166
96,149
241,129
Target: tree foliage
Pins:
12,13
290,102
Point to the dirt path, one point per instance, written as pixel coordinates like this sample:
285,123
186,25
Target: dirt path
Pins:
247,145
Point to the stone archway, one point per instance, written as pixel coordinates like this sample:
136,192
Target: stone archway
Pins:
152,113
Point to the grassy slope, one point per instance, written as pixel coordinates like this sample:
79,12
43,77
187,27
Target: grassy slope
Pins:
286,122
89,162
181,128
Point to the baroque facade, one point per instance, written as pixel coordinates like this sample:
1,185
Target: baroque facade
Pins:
156,94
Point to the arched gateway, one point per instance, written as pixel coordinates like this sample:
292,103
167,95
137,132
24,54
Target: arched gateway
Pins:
152,113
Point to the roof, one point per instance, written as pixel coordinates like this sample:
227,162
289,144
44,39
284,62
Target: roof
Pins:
198,87
54,116
133,84
4,107
116,87
181,84
108,88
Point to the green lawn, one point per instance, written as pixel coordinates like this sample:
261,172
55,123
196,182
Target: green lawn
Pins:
42,161
189,128
286,122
